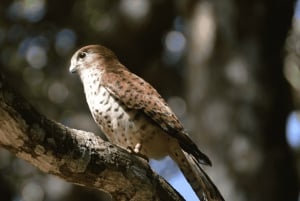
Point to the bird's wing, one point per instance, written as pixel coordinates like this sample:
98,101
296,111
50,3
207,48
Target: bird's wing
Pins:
135,93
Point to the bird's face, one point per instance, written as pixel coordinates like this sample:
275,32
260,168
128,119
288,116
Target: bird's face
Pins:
91,57
84,58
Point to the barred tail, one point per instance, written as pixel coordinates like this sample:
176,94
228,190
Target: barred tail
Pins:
198,179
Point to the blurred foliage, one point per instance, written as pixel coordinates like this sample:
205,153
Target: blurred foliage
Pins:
292,74
37,39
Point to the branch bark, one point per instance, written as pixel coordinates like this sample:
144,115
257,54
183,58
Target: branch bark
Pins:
77,156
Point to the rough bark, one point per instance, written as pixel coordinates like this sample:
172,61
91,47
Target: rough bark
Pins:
77,156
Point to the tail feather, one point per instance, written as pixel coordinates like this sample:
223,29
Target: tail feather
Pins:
198,179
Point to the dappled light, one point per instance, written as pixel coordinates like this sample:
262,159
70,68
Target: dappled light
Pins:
32,191
221,67
204,31
244,159
175,44
293,131
236,72
58,92
36,56
178,105
65,41
30,10
135,10
292,74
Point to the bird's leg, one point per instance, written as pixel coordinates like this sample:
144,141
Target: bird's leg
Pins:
136,151
138,148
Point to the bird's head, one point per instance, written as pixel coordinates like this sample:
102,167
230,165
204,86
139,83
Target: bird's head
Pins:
91,57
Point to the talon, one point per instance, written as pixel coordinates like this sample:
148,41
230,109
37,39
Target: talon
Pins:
136,151
129,149
138,148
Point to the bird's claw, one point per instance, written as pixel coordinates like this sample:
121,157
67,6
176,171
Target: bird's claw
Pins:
136,151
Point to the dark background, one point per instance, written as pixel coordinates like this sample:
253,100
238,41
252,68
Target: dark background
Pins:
219,64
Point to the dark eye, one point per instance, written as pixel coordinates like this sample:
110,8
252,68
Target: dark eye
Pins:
81,55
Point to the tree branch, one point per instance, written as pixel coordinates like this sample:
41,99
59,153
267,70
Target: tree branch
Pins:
77,156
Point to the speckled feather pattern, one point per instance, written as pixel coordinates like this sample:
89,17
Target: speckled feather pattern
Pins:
130,111
137,94
132,126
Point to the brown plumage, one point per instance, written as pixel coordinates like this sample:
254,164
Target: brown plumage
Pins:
133,115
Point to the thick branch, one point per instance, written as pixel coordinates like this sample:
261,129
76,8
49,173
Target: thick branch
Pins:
77,156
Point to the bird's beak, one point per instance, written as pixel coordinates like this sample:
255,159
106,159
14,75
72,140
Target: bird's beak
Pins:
73,68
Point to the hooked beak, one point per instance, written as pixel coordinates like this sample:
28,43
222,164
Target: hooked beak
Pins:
73,68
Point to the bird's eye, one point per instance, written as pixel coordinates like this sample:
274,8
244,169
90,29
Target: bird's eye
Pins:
81,55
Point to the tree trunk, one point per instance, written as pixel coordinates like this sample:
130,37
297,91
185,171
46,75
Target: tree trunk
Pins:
239,96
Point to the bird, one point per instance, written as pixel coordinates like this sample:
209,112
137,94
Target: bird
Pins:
133,115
